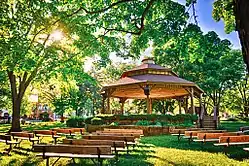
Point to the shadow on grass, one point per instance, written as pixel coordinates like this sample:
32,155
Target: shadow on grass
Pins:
169,141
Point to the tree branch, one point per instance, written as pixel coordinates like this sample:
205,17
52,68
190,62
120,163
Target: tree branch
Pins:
106,8
34,72
141,28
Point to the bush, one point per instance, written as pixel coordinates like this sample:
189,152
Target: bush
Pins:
152,119
45,117
75,122
97,121
114,124
143,123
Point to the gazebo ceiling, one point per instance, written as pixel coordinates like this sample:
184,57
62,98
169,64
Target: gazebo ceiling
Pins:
163,82
157,91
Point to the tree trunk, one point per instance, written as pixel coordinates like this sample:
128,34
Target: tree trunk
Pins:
16,99
241,12
246,111
16,116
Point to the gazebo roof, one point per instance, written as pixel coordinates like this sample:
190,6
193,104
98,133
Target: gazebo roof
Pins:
163,82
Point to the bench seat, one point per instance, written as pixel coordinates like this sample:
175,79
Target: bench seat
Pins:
70,155
231,143
9,142
120,149
188,137
246,149
207,140
177,134
26,138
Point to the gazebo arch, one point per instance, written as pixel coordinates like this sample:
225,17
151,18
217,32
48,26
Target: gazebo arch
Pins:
150,81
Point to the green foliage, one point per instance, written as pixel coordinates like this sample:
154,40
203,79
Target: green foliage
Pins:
143,123
97,121
143,119
76,122
114,124
45,117
223,10
204,59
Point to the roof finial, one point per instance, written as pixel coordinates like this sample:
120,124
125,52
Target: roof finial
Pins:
148,60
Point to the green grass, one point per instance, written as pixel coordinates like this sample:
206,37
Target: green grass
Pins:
155,150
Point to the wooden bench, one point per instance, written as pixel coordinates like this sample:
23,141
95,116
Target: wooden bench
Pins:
65,132
244,129
46,133
190,135
226,141
116,145
20,136
117,133
94,153
129,140
133,131
7,140
78,130
181,132
213,137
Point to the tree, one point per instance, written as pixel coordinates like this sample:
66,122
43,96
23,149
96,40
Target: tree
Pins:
205,60
234,13
29,31
4,91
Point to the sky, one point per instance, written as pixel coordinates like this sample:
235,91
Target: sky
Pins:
205,21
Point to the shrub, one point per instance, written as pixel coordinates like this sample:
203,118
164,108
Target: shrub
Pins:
152,118
45,117
88,120
75,122
97,121
220,127
143,123
114,124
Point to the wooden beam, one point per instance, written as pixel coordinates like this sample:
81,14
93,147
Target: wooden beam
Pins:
148,104
103,105
180,107
122,101
108,111
150,110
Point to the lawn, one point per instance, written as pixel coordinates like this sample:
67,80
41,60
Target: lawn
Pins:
156,150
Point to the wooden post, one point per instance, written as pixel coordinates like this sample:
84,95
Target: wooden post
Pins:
150,111
186,105
103,105
149,105
192,100
108,111
180,107
122,101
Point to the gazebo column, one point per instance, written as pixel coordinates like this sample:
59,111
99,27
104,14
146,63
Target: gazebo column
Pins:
122,101
150,108
108,110
103,102
192,100
180,106
148,104
186,105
